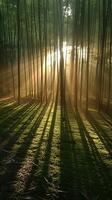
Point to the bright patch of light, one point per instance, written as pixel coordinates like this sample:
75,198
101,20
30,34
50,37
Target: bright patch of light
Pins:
83,52
67,49
67,11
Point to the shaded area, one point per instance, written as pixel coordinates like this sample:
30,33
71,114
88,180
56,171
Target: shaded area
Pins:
52,151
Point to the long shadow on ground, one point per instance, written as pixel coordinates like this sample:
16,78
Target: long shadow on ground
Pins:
12,167
98,182
83,173
39,181
104,137
8,127
69,181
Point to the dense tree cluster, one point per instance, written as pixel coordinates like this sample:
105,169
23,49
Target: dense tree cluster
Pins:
50,44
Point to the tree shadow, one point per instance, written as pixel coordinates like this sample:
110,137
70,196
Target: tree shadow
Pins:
12,168
5,101
5,109
41,183
83,173
98,182
12,123
106,118
8,144
9,112
104,137
35,179
69,177
31,177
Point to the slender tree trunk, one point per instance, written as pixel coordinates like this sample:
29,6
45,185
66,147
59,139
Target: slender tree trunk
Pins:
18,47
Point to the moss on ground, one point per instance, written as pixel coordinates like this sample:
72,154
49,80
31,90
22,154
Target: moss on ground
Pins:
53,152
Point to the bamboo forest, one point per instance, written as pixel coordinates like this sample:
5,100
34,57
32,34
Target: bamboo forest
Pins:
56,99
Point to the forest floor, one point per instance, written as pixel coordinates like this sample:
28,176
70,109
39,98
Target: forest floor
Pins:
50,152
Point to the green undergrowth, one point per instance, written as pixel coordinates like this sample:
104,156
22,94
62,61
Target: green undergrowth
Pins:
54,152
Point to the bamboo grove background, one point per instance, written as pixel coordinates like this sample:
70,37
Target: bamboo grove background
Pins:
57,45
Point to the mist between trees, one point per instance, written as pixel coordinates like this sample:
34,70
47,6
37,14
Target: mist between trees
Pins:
50,45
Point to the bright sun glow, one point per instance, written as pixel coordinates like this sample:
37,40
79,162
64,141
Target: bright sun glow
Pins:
55,56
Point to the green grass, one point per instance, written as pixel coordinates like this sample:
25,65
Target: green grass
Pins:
51,152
